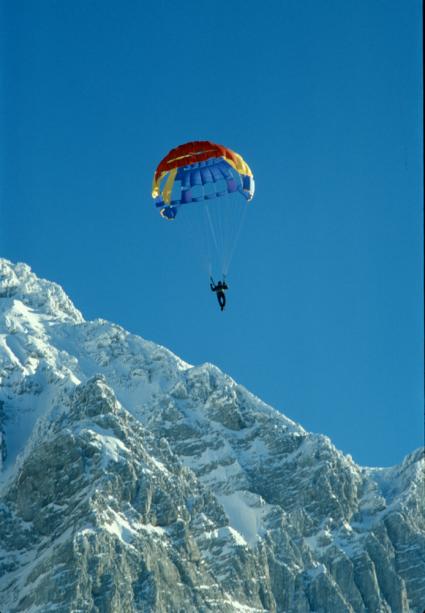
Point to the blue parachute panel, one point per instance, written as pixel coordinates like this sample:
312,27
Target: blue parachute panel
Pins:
215,174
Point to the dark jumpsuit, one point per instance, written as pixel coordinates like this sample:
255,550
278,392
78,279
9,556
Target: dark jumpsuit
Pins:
219,289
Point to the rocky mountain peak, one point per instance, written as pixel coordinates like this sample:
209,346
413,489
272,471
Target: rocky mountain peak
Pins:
25,294
132,481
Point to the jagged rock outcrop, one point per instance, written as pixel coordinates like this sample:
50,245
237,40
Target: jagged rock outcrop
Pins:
132,481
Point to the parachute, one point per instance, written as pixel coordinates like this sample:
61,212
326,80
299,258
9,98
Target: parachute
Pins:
210,177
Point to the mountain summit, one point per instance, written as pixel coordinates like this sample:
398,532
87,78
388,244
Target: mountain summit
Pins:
131,481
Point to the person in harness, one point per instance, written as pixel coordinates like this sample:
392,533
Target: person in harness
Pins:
219,289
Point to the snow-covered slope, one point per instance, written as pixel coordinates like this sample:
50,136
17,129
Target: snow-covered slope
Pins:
132,481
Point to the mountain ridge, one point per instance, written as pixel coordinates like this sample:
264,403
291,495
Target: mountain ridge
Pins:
225,503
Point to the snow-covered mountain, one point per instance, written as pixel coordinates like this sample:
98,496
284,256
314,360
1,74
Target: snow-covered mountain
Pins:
132,481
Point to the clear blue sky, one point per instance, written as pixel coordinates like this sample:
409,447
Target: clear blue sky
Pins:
323,99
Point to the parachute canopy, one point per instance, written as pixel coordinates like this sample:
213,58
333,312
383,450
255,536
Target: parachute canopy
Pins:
217,183
198,171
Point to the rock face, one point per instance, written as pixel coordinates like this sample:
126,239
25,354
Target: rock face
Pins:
134,482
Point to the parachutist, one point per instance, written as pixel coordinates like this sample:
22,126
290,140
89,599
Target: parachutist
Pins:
219,289
212,183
